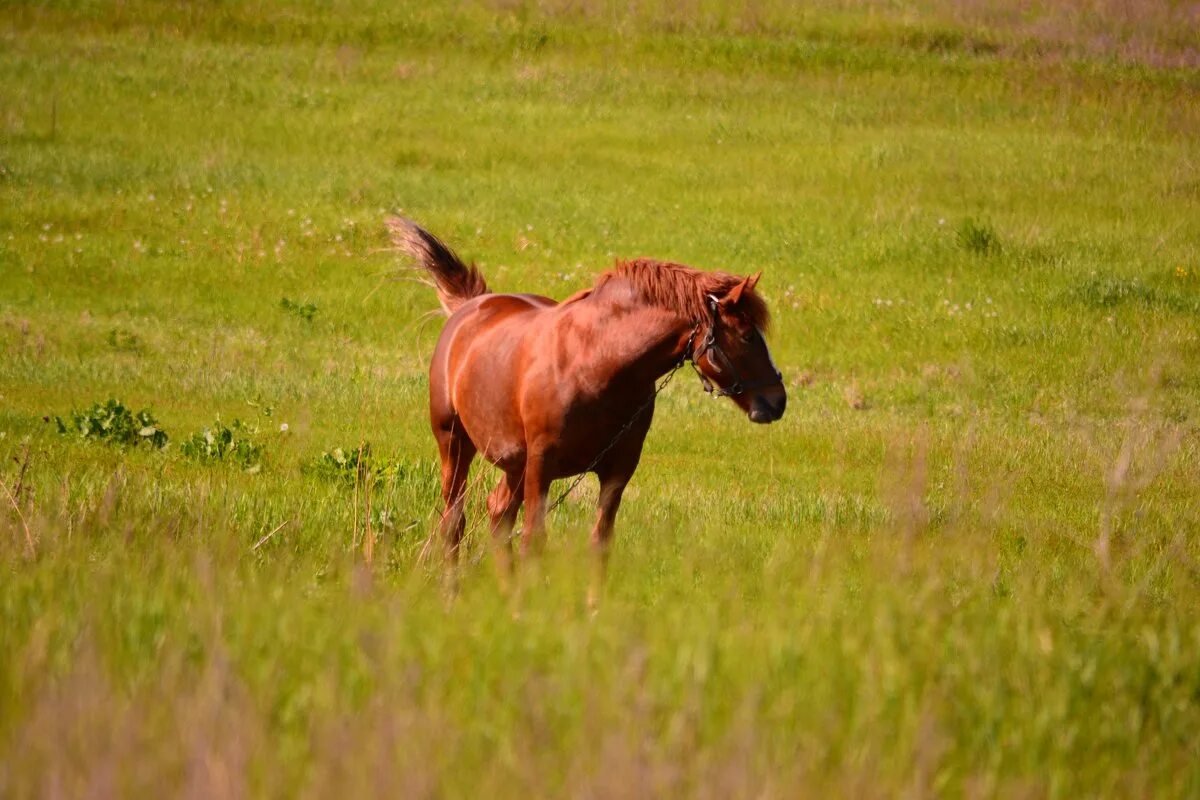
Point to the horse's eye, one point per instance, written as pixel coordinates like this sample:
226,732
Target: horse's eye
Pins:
751,337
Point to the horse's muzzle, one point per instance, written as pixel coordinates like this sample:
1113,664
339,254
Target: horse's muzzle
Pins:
764,409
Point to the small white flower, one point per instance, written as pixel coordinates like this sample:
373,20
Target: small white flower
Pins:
283,428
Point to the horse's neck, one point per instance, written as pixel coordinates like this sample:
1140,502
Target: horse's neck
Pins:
640,341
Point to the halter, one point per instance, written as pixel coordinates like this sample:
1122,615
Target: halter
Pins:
710,343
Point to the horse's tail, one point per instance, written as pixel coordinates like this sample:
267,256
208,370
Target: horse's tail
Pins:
456,283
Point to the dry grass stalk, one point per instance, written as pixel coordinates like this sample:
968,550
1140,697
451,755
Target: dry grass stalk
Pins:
264,539
854,396
30,551
369,533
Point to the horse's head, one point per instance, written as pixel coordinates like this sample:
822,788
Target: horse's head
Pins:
731,355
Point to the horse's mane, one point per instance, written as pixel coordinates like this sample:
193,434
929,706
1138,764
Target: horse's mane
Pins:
684,289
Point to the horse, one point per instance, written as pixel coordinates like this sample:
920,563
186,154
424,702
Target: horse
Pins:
546,390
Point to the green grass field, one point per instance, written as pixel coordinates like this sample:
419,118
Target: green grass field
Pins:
965,563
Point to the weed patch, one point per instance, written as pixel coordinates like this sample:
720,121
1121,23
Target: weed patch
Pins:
352,465
111,422
977,237
1102,292
124,341
234,443
305,311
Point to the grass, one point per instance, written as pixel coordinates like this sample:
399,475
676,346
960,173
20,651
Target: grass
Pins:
965,563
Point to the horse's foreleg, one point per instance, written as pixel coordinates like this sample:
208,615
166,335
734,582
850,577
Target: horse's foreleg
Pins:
456,451
611,489
503,503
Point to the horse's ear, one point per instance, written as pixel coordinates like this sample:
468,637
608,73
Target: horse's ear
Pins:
732,297
752,281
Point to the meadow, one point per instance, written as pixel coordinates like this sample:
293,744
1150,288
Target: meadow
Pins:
965,563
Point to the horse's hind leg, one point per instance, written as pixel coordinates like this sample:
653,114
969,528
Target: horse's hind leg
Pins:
457,451
503,504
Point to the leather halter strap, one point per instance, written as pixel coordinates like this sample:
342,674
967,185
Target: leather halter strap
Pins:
738,387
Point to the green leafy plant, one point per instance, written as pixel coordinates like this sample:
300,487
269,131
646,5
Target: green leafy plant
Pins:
348,465
305,311
113,423
234,443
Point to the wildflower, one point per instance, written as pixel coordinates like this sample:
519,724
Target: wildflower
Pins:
283,428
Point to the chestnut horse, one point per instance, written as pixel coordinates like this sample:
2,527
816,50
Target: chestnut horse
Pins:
548,390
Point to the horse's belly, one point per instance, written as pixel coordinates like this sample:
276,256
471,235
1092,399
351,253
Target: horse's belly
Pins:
503,447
